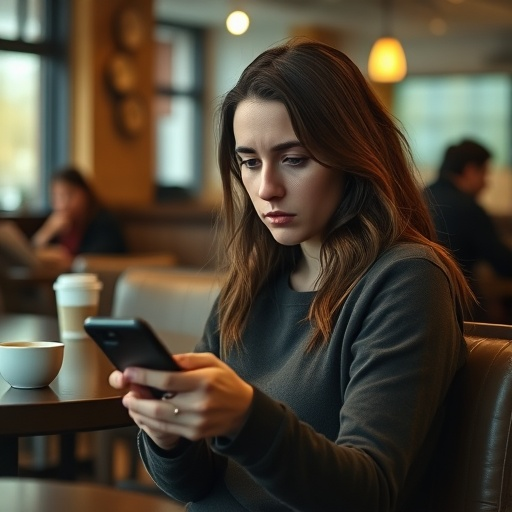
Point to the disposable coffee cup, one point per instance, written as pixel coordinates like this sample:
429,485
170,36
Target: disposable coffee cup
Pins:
77,297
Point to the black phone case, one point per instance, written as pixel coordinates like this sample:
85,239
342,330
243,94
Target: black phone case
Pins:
130,342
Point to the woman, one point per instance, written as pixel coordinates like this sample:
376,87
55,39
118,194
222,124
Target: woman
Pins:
321,378
78,222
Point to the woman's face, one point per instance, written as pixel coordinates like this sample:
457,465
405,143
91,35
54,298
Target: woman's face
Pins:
69,199
294,196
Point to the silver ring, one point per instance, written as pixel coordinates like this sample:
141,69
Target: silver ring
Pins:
169,395
176,411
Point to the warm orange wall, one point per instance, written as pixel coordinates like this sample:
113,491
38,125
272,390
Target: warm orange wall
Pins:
121,168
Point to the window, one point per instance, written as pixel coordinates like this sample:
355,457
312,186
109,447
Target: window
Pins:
438,111
33,99
178,107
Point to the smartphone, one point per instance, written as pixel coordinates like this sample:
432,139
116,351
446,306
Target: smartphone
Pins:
130,342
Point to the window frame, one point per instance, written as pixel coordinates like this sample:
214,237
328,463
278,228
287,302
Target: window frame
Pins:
196,93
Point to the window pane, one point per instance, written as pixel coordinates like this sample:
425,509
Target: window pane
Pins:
33,27
19,125
177,108
176,148
8,19
175,58
437,111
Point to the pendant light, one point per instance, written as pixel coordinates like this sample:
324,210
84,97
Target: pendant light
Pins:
237,22
387,61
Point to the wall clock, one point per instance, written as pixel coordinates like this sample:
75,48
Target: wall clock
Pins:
129,28
131,114
122,73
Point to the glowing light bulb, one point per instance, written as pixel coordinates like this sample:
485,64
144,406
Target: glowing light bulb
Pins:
237,23
387,61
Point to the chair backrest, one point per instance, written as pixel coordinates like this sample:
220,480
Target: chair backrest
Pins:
177,300
108,268
477,441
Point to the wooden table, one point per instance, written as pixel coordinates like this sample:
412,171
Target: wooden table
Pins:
29,495
78,400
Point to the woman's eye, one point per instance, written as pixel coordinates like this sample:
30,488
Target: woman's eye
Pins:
250,163
295,161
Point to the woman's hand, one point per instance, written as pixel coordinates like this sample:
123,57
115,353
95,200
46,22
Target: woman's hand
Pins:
57,223
206,399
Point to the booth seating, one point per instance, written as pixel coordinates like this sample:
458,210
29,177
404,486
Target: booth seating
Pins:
173,300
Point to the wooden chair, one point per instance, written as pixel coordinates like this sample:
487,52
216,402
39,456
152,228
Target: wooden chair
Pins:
40,495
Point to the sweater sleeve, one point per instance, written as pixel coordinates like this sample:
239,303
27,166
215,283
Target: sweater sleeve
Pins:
188,472
402,345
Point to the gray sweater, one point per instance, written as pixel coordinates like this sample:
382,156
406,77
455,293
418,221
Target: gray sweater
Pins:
347,427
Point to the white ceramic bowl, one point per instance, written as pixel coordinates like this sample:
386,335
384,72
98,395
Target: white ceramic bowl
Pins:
30,364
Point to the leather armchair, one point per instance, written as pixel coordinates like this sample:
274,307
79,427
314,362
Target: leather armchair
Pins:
475,470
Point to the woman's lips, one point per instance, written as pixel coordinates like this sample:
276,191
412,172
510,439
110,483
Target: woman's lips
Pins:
279,218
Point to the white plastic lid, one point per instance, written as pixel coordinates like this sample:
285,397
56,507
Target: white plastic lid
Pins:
74,280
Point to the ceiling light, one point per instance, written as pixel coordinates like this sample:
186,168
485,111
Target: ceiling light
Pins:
237,23
387,62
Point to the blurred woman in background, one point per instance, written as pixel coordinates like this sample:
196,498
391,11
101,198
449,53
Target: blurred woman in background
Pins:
78,223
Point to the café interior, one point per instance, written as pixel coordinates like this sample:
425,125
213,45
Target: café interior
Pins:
127,91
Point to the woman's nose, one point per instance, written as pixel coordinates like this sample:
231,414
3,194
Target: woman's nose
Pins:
271,184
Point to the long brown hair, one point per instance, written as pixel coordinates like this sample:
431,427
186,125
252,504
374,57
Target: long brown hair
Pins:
73,177
342,124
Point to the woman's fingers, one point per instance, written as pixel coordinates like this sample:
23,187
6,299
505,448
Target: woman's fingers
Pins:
116,380
207,398
178,382
196,360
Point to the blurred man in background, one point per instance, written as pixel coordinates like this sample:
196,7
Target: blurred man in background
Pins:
468,230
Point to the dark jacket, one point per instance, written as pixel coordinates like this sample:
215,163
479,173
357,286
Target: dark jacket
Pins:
103,235
464,226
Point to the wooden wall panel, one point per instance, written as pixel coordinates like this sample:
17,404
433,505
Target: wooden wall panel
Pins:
120,167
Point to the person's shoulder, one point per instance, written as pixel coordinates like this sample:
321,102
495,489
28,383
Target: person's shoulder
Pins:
408,250
400,254
441,188
432,187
